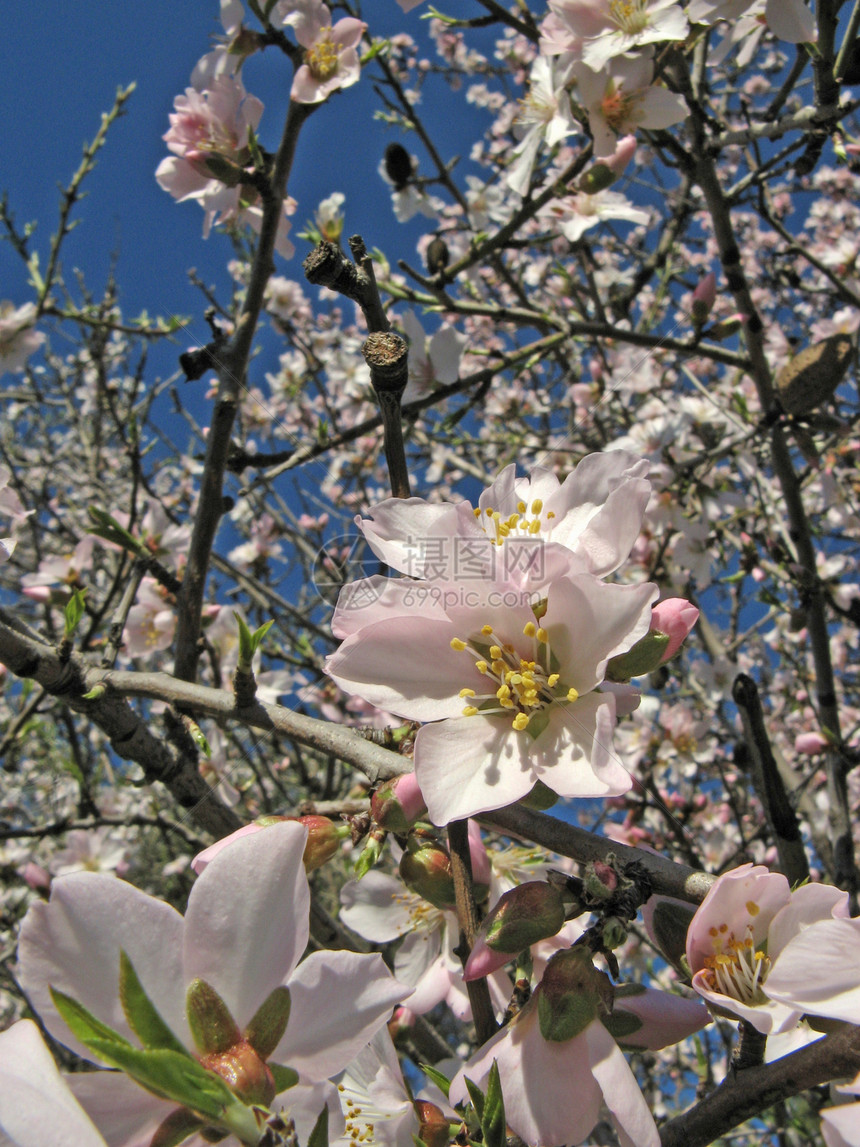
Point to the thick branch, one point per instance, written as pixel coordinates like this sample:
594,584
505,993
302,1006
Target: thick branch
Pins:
567,840
130,737
747,1093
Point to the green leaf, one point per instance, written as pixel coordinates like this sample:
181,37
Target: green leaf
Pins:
319,1136
83,1024
493,1122
170,1075
441,1081
477,1098
141,1013
198,737
107,527
284,1077
249,642
73,612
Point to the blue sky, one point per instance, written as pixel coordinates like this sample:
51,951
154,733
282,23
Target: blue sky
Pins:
61,68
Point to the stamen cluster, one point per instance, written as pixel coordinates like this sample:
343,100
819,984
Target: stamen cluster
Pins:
523,686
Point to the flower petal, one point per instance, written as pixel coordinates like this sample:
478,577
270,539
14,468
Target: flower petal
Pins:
630,1113
36,1106
73,942
247,920
339,1000
468,765
819,971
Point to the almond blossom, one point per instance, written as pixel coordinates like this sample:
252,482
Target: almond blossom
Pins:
769,955
545,115
511,688
601,29
555,1078
621,97
209,137
595,514
381,909
432,361
331,57
243,933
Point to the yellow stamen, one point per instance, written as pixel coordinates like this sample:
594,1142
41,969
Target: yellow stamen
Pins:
520,721
458,644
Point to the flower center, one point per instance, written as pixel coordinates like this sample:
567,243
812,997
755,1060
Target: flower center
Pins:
423,916
737,968
629,15
524,686
518,524
322,57
616,108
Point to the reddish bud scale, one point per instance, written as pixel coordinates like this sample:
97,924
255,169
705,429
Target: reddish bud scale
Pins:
434,1127
247,1076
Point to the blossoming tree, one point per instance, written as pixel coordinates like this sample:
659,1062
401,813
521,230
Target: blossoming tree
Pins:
438,720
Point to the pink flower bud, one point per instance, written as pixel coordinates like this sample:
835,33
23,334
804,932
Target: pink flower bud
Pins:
674,617
810,743
35,876
704,297
625,149
522,917
398,804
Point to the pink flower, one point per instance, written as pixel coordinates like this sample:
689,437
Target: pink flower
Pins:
209,132
810,743
18,337
331,58
513,694
768,955
243,933
621,97
595,514
610,28
553,1087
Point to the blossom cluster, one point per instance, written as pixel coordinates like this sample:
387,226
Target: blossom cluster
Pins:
512,676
